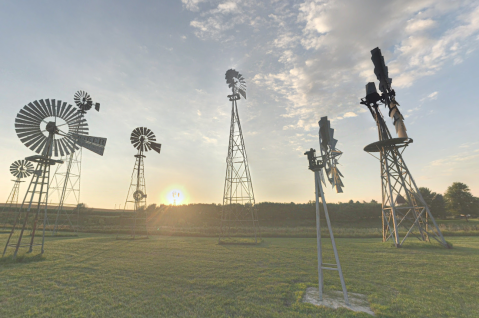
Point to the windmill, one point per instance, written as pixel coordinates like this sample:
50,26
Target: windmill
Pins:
46,127
143,139
175,195
20,169
238,214
65,183
328,161
402,204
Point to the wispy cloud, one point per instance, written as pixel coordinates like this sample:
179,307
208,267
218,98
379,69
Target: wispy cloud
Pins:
431,96
322,47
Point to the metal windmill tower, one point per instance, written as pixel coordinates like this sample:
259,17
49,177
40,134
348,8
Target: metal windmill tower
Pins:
142,139
19,169
402,204
239,216
65,183
327,161
46,127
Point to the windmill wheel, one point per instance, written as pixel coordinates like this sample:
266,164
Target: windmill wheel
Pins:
21,168
138,195
144,139
236,82
42,118
83,100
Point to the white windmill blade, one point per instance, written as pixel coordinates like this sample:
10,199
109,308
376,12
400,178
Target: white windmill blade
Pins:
339,172
322,176
337,180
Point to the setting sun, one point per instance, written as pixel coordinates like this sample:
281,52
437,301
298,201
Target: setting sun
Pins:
175,197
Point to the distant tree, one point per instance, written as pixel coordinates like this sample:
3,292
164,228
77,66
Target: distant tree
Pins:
438,207
373,202
81,206
459,200
351,202
151,208
427,195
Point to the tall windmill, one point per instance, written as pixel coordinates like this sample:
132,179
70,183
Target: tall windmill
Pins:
143,139
65,183
20,169
328,161
238,215
402,204
46,127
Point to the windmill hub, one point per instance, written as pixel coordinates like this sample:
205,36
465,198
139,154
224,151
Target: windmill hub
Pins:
52,128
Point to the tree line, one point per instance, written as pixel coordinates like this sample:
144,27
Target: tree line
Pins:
456,201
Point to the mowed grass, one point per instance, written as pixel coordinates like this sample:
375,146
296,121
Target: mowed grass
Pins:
98,276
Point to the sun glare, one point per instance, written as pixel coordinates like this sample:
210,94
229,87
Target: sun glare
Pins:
175,197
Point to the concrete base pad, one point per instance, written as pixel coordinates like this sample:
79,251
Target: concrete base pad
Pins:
335,299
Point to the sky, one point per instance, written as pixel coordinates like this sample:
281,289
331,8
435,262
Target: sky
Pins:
161,65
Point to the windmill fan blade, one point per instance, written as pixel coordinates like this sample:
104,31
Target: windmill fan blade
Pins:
331,134
322,177
339,189
137,145
324,128
147,146
333,143
135,137
151,136
155,146
242,92
381,70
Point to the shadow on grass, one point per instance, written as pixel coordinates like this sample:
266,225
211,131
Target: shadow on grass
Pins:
24,258
142,238
240,241
434,245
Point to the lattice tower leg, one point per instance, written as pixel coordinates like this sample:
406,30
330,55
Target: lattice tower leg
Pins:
12,202
35,197
238,213
402,203
325,266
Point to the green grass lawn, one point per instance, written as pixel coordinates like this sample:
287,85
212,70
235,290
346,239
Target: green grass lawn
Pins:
98,276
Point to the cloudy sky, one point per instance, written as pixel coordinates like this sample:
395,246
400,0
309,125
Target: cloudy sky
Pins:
161,64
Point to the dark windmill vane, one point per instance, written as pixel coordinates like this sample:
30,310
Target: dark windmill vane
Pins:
327,161
144,140
238,196
402,204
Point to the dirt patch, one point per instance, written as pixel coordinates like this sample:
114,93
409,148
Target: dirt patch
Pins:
335,299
